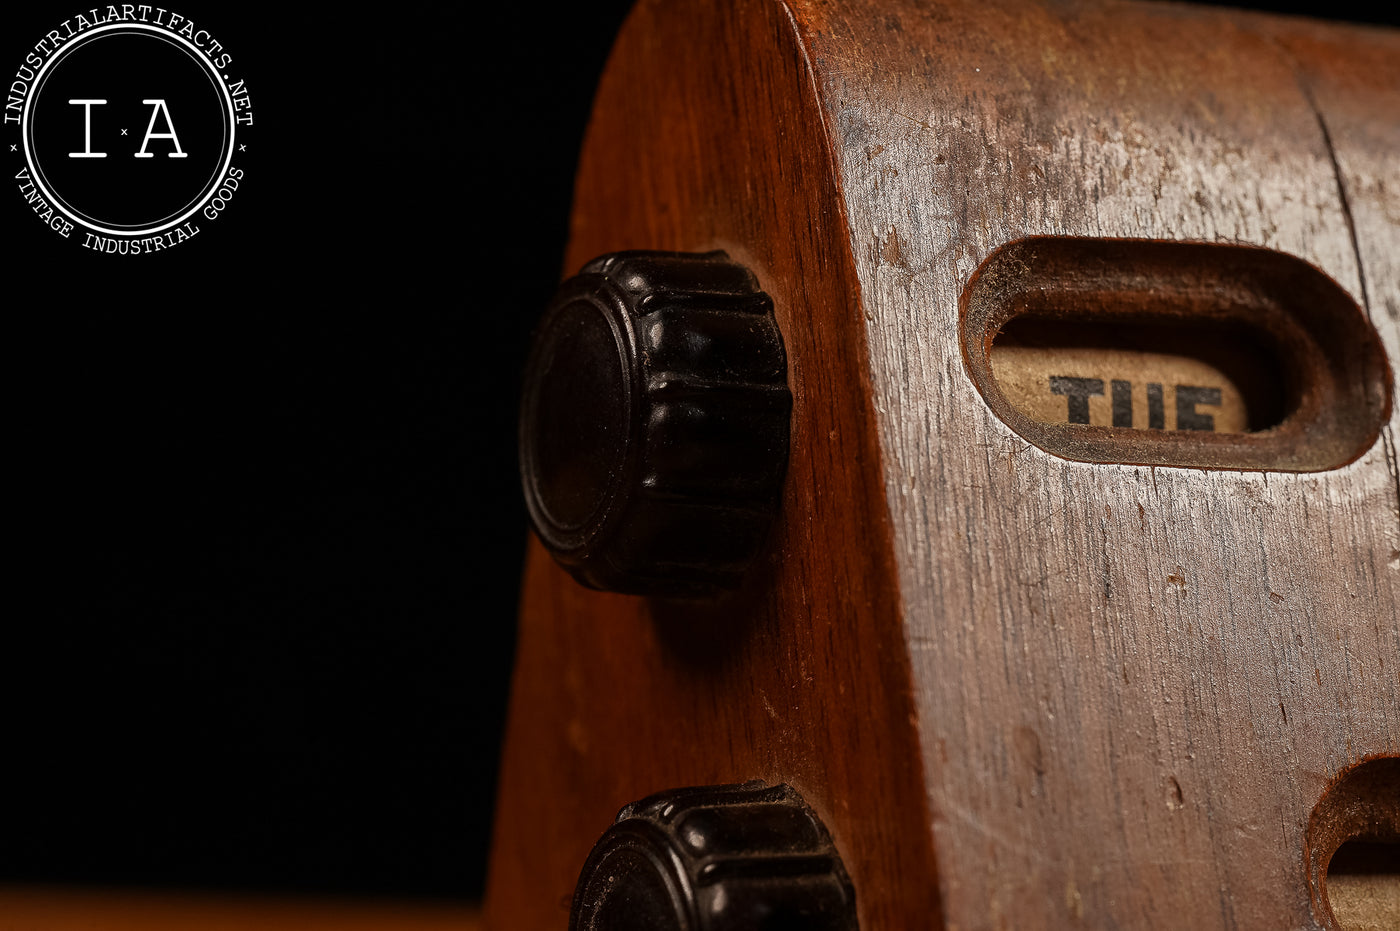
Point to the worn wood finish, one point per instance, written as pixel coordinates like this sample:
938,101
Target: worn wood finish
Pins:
1023,692
1133,683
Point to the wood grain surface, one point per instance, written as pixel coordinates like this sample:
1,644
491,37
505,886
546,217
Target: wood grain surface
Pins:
1133,683
1022,692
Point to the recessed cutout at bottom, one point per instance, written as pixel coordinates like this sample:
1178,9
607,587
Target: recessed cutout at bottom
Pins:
1363,885
1353,848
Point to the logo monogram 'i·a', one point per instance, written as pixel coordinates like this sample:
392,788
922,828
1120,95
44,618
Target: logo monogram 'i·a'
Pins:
158,109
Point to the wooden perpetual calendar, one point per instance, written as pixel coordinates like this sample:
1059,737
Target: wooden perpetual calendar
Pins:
964,475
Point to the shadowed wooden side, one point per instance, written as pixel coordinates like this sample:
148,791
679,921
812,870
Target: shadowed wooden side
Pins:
706,135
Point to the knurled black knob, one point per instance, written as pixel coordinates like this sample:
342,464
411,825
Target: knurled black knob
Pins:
654,423
719,858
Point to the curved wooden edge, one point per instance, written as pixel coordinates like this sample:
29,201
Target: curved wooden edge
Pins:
707,134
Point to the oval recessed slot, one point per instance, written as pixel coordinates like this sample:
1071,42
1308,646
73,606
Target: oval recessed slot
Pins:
1183,354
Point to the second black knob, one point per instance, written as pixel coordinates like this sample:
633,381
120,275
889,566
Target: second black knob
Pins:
748,857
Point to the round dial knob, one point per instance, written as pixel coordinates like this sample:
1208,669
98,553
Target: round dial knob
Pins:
719,858
654,423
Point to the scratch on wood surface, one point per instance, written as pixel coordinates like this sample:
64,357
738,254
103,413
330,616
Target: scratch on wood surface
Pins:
1341,189
988,828
1307,91
1388,439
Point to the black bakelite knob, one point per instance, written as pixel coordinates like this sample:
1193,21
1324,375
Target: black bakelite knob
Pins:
718,858
654,423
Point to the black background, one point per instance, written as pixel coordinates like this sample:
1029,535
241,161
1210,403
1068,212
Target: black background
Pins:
263,485
263,495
